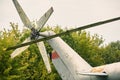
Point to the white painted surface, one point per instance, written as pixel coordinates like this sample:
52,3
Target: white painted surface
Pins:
20,50
44,55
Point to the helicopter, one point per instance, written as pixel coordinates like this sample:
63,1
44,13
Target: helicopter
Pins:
67,62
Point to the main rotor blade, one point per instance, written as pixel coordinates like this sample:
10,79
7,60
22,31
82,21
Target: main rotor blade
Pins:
43,52
60,34
41,22
22,14
20,50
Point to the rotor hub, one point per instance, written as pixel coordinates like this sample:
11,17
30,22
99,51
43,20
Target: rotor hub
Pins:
34,34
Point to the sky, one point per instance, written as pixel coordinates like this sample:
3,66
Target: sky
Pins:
67,13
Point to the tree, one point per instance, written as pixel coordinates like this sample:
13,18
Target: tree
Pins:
29,64
111,53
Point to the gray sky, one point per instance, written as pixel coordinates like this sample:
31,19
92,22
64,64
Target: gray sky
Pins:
67,13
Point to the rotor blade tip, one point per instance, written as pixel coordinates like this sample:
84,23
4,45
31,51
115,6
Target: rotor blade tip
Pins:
52,8
49,71
12,56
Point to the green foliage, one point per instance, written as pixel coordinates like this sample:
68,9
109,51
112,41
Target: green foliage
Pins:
29,65
111,53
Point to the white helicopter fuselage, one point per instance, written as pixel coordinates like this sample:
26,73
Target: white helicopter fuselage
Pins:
71,66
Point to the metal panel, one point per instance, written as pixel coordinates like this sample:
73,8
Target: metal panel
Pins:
61,67
21,49
44,55
22,14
